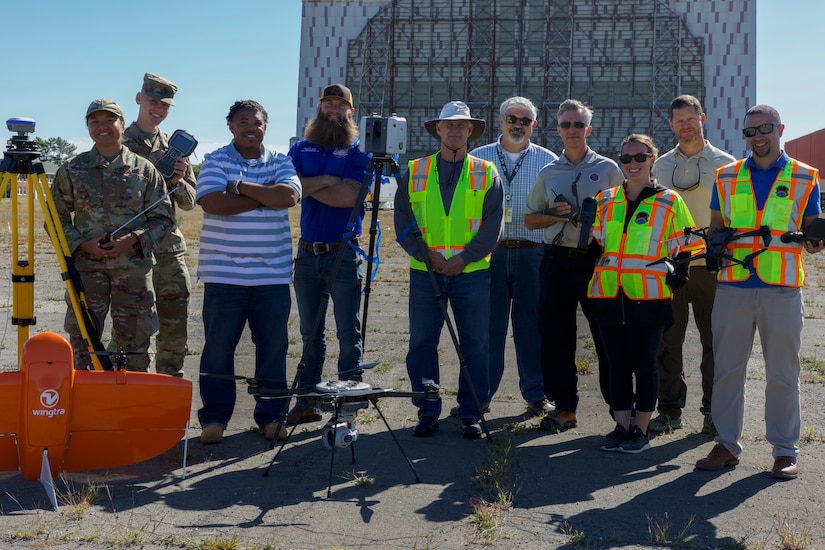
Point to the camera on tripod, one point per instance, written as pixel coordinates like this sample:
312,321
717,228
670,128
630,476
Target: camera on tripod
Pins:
383,136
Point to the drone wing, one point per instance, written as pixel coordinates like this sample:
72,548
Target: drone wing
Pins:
86,419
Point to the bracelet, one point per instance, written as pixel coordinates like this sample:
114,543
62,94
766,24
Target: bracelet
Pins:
236,186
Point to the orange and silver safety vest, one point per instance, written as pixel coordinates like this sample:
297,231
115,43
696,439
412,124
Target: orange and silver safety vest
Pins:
784,211
447,234
655,231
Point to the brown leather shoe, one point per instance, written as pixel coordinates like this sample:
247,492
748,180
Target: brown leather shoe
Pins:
268,432
718,458
538,407
212,434
301,414
785,467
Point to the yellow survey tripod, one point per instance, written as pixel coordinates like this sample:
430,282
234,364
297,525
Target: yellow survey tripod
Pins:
20,158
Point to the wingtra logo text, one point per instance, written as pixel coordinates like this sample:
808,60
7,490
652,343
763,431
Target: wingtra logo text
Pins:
49,400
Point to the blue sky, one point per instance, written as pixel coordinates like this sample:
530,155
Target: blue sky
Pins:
60,55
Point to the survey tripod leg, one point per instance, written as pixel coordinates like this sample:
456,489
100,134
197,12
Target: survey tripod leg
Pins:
21,159
377,164
442,304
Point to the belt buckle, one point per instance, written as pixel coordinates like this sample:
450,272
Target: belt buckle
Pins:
319,248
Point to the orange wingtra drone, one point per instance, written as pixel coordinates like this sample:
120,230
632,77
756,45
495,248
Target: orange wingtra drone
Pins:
54,418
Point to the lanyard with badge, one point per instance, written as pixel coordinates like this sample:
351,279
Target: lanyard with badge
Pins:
508,209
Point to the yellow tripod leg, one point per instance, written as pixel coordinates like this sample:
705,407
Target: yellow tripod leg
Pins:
74,285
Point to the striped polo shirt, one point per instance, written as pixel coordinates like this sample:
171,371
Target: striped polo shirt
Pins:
253,248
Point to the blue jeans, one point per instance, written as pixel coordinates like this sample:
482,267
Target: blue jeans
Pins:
226,310
514,281
311,276
468,295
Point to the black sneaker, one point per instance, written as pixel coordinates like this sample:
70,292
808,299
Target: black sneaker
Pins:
614,439
470,428
426,427
635,443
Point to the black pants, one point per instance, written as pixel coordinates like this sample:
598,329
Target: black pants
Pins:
565,273
631,353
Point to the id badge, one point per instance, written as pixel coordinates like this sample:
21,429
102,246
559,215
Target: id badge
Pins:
508,214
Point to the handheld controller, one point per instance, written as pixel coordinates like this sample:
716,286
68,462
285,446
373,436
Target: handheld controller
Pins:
586,219
181,144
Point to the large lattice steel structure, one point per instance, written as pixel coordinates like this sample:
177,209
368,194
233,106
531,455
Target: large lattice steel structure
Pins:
625,59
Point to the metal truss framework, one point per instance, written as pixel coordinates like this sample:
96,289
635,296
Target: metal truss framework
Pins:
625,59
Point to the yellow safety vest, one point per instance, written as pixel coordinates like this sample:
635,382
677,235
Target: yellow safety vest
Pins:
448,234
784,211
656,231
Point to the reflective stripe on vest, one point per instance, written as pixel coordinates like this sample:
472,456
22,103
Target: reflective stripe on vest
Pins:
447,234
783,211
652,233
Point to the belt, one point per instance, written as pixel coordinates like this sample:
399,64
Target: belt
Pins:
319,248
516,243
568,251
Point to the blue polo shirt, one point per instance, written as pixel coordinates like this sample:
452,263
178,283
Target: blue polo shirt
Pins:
321,222
763,181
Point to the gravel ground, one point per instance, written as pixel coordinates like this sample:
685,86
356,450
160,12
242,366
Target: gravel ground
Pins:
533,489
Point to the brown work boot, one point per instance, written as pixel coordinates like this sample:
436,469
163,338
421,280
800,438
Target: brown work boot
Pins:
268,432
785,467
718,458
212,434
301,414
541,406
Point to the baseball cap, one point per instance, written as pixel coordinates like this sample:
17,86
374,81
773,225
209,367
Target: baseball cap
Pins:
338,90
157,87
104,104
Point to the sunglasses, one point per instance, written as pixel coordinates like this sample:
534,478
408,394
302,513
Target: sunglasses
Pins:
524,121
764,129
638,157
579,125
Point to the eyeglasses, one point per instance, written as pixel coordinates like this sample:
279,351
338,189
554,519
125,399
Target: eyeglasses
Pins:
691,187
638,157
764,129
579,125
525,121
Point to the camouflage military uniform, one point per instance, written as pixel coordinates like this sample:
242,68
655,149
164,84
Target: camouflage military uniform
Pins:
93,196
170,275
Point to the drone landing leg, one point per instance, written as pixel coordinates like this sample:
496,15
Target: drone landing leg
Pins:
280,447
332,451
374,401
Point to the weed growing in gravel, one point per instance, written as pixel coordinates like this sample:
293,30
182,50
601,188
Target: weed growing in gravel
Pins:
583,367
493,478
575,538
810,434
792,535
815,366
360,478
77,499
488,517
660,530
219,543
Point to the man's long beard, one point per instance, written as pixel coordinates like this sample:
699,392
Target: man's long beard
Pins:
328,133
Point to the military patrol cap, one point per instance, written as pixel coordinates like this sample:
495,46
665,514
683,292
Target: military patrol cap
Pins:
104,104
338,90
157,87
